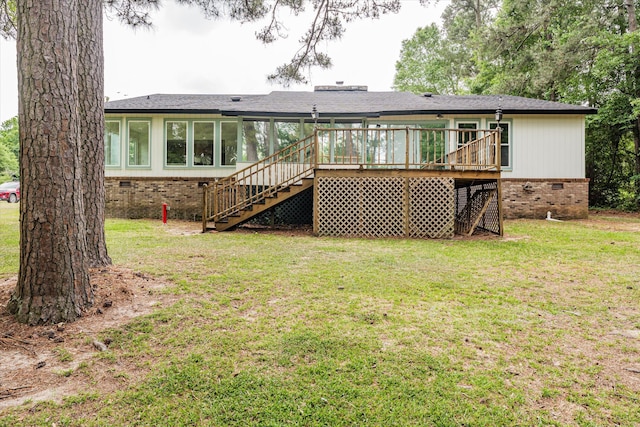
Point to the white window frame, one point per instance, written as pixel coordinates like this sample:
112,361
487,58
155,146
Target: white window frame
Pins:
457,124
192,144
166,148
509,144
140,166
118,164
239,136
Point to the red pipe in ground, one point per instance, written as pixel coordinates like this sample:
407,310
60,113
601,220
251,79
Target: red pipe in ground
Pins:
164,213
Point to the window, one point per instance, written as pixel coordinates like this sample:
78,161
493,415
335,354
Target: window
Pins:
203,143
176,143
139,132
432,143
384,145
309,127
229,148
286,133
467,135
112,143
348,144
255,140
505,143
427,142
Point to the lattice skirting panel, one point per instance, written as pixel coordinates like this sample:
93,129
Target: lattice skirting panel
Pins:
297,210
432,207
385,207
490,221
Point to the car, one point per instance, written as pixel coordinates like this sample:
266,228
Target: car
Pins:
10,191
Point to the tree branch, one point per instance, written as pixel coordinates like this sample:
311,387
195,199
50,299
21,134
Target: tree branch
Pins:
8,28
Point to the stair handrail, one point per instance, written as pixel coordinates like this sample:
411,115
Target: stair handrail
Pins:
481,153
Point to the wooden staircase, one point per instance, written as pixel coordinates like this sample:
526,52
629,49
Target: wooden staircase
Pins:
469,217
262,205
241,196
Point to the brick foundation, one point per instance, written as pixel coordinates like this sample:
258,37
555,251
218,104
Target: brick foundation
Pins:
533,198
522,198
143,197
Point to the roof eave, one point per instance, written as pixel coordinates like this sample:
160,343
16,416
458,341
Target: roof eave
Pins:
485,112
161,111
236,113
324,114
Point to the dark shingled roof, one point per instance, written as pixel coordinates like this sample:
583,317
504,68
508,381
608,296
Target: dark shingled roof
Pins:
337,103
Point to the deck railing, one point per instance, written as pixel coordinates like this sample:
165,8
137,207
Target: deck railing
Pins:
409,148
367,148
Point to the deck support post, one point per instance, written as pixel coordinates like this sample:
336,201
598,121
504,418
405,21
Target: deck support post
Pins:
406,152
204,208
407,207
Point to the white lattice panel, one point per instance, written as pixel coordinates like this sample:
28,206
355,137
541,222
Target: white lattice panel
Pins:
431,207
377,207
382,207
338,206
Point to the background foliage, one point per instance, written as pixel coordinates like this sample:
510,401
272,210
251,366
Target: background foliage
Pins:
561,50
9,150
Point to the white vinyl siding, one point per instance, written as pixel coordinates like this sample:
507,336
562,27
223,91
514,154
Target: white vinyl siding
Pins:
547,147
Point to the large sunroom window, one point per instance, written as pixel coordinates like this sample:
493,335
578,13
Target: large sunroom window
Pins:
176,143
112,143
203,137
286,133
139,133
348,145
255,140
229,146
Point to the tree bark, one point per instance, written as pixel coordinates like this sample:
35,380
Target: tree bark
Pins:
631,12
91,89
53,281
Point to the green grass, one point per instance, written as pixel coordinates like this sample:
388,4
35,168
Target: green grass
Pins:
9,239
273,330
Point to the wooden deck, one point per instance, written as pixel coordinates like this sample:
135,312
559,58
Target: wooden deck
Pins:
404,159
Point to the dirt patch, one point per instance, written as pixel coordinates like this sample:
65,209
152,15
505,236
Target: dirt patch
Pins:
278,230
40,363
613,221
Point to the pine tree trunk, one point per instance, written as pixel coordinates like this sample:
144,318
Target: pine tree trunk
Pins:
91,89
53,281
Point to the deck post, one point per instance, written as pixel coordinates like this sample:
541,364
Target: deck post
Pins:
315,147
500,215
407,208
204,208
499,148
406,153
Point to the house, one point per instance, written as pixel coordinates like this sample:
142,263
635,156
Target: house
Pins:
173,148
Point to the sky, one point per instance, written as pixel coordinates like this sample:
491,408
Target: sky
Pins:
186,53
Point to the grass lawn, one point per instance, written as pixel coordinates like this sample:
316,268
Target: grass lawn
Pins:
539,328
